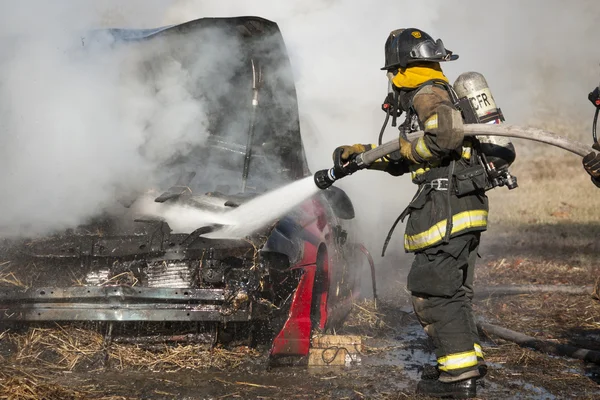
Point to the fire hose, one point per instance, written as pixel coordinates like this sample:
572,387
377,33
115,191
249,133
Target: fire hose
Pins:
325,178
361,247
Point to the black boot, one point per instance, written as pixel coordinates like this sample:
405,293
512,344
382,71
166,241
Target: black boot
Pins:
466,389
432,371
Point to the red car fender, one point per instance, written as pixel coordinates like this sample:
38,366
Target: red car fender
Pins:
294,337
320,228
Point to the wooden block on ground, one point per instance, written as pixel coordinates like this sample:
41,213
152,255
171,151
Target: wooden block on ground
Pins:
334,356
335,350
353,343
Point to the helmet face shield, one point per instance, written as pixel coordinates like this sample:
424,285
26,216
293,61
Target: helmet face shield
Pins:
428,50
405,46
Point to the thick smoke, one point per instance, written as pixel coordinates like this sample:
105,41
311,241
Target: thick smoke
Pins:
540,57
87,121
62,117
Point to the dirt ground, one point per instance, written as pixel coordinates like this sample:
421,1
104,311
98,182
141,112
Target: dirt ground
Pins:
543,233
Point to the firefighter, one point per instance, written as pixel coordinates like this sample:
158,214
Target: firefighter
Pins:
447,214
591,162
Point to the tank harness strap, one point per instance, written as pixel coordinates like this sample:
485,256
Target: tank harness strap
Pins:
432,184
453,98
449,202
396,103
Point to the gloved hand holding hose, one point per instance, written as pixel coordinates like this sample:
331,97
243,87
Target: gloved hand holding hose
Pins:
344,164
349,159
349,151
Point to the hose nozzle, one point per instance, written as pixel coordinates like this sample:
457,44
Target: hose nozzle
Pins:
324,178
341,168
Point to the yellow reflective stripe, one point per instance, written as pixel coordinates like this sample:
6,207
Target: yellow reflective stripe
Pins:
431,122
478,350
461,221
422,150
457,361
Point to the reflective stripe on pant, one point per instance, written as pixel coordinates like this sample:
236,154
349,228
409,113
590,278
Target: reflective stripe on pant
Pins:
441,282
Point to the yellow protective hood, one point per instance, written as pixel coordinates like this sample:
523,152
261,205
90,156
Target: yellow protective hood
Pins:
417,74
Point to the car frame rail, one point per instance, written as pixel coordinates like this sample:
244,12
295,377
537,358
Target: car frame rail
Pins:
117,303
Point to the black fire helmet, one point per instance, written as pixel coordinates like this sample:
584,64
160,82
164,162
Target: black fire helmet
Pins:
405,46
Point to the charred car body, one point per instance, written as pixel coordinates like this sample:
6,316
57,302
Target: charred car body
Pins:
297,275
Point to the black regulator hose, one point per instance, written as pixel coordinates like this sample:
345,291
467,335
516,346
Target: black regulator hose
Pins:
594,125
385,122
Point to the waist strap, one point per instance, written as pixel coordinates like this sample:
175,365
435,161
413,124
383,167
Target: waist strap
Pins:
437,184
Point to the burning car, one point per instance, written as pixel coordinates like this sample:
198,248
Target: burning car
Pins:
296,275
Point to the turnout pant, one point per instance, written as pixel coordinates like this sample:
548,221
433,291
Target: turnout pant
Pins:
441,283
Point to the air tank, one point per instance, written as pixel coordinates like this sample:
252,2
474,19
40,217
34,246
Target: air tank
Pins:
472,85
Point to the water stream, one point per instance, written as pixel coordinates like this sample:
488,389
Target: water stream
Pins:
237,222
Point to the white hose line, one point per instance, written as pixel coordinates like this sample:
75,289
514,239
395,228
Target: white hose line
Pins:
514,131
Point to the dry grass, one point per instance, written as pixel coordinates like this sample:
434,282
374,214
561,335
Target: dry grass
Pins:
33,384
553,188
546,230
179,357
68,349
515,270
546,315
371,319
42,355
57,348
24,389
366,319
8,277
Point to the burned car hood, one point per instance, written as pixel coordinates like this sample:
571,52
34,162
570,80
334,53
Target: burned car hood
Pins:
150,236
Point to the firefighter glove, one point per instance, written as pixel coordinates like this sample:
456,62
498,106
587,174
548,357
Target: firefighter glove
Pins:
594,97
591,163
406,150
349,152
343,167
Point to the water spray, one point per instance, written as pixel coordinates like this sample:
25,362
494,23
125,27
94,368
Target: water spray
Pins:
325,178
